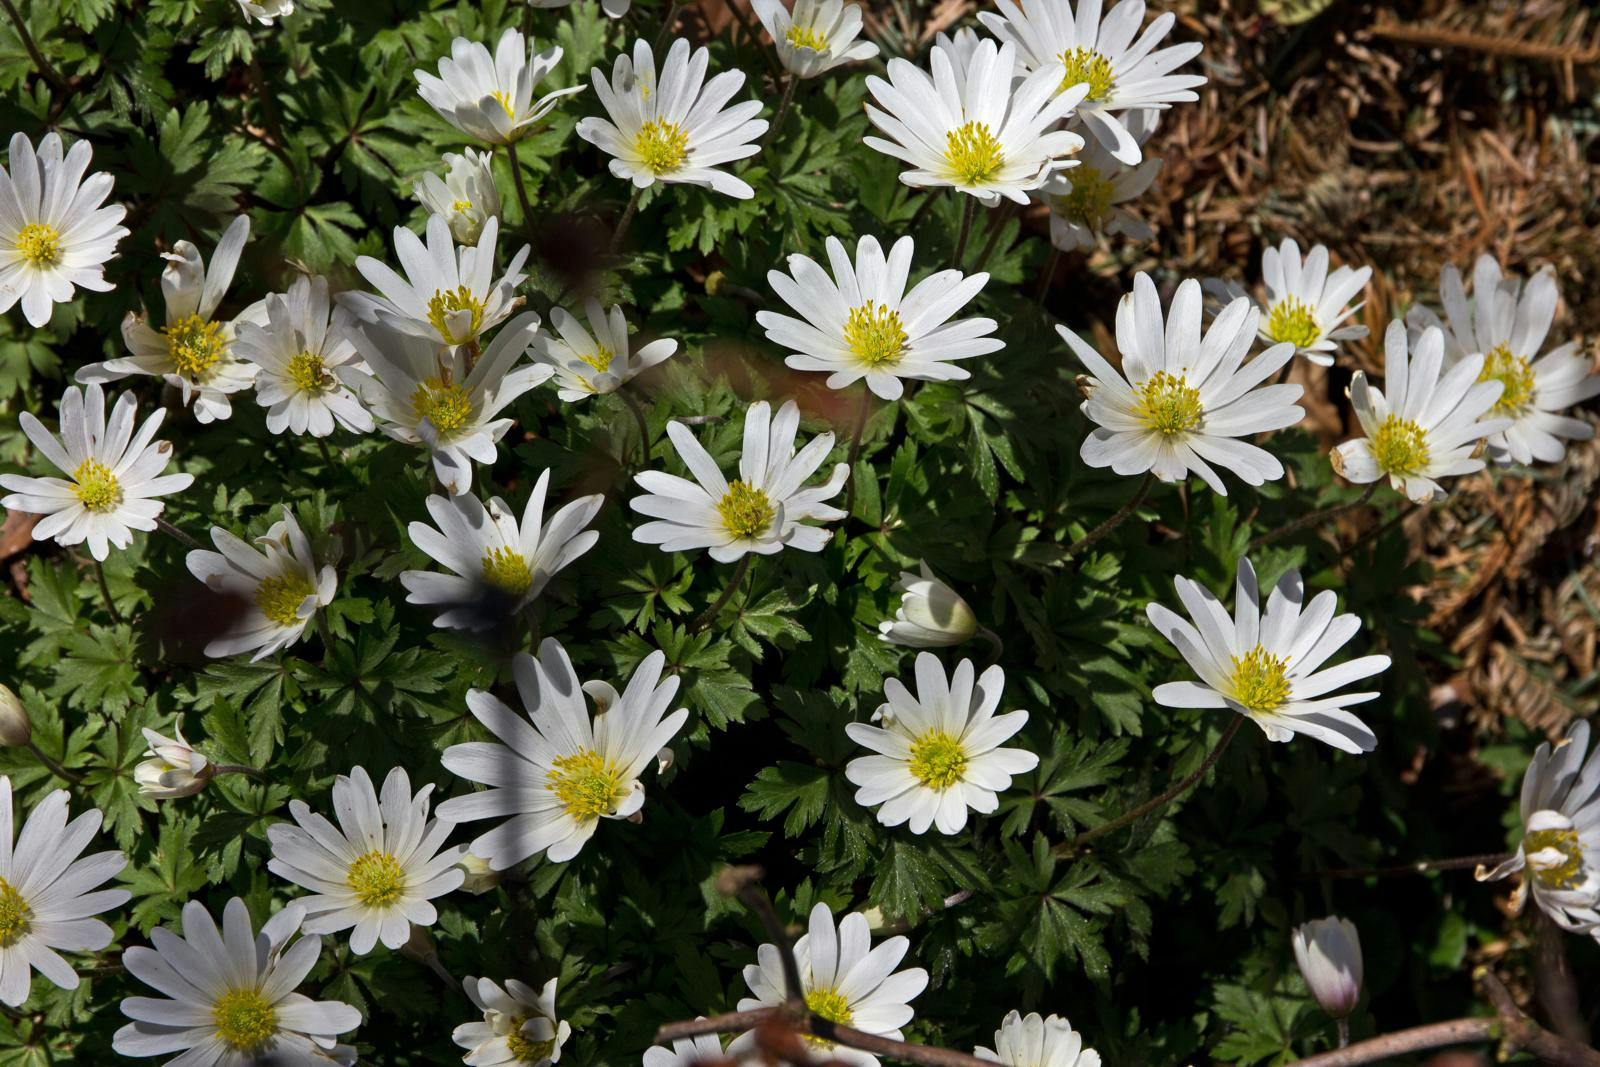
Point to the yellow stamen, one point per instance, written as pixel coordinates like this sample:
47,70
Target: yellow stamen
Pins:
1169,404
460,205
194,346
445,304
523,1047
1291,320
1400,447
376,879
40,244
309,373
1260,680
600,360
1570,871
831,1005
586,784
745,510
973,154
1089,201
507,571
806,37
16,918
1513,372
446,406
938,760
663,147
244,1019
505,104
1086,65
875,334
280,596
96,487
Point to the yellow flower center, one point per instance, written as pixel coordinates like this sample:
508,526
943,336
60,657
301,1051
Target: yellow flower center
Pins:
875,334
15,916
279,597
446,406
973,154
1260,680
524,1048
1089,200
831,1005
1292,321
588,785
1169,404
745,510
40,244
1570,871
806,37
1400,447
96,487
504,101
507,571
938,760
663,147
376,878
1514,373
194,346
309,373
600,360
1086,65
445,308
244,1019
459,206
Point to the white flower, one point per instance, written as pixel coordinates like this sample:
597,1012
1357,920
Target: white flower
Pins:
1306,305
16,729
1085,202
676,130
816,36
1032,1041
519,1025
965,128
842,980
48,898
176,769
449,295
115,475
613,8
1267,666
1329,954
377,870
1507,325
553,783
938,752
498,565
930,615
426,396
229,996
193,352
264,11
764,510
491,97
1421,426
861,322
301,358
1560,848
466,197
1183,401
1118,73
54,235
686,1052
600,362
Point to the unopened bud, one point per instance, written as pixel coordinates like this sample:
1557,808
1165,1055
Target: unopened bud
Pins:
480,877
1329,953
15,728
175,769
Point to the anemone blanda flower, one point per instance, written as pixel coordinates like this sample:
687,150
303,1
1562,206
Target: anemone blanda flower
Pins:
466,197
228,996
1116,73
175,768
1182,399
602,361
113,476
686,1051
54,234
816,36
613,8
1328,952
264,11
276,587
1268,665
679,129
1307,306
491,97
193,352
930,615
967,128
498,565
1508,324
519,1025
764,510
304,362
1086,202
1032,1041
554,780
862,323
1421,426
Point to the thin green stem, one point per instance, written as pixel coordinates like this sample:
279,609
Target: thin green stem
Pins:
522,190
49,73
666,26
997,647
789,86
997,226
1047,276
1344,1031
55,768
1114,521
626,220
1320,515
644,426
967,211
707,617
105,593
175,533
325,633
855,445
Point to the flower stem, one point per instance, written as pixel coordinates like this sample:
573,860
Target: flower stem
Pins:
55,768
666,26
174,532
1344,1031
855,445
522,190
1455,863
1048,276
1114,521
105,593
627,218
1320,515
966,228
789,86
997,646
323,632
997,225
644,426
707,617
49,73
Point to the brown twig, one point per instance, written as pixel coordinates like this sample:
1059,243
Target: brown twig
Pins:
49,73
1553,983
1455,863
1320,515
1115,520
1493,44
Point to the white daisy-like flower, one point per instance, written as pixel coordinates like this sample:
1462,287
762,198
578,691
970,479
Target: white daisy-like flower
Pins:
229,996
1086,202
1268,666
686,1051
553,779
275,587
426,396
48,898
930,615
1117,73
302,358
816,36
54,234
844,980
375,872
1560,849
1032,1041
603,361
1422,425
862,323
497,565
113,475
174,770
938,752
1306,306
519,1025
491,97
264,11
466,197
194,351
764,510
613,8
1184,400
679,129
449,295
1507,324
965,128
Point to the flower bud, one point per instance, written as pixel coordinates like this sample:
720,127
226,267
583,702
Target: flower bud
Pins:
15,728
176,770
931,614
480,877
1329,953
